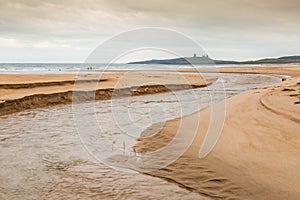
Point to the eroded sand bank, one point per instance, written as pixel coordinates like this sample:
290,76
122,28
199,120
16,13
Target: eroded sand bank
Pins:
23,91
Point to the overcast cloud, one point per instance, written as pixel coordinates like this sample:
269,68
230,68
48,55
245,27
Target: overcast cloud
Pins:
69,30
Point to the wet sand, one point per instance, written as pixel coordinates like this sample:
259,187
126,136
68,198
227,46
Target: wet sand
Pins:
257,154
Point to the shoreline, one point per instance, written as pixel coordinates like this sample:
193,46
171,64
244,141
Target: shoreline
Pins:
267,68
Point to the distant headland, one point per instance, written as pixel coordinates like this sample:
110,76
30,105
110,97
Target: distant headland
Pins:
206,60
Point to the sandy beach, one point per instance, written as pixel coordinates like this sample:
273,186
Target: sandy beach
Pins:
149,100
256,156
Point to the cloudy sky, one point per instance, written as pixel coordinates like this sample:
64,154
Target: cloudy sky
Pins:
69,30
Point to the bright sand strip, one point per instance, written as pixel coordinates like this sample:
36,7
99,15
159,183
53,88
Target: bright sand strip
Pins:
257,154
26,91
289,69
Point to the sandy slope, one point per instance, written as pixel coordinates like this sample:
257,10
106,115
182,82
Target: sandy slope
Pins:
257,154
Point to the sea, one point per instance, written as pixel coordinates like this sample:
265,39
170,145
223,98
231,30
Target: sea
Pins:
37,68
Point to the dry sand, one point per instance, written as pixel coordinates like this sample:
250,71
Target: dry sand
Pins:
257,154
